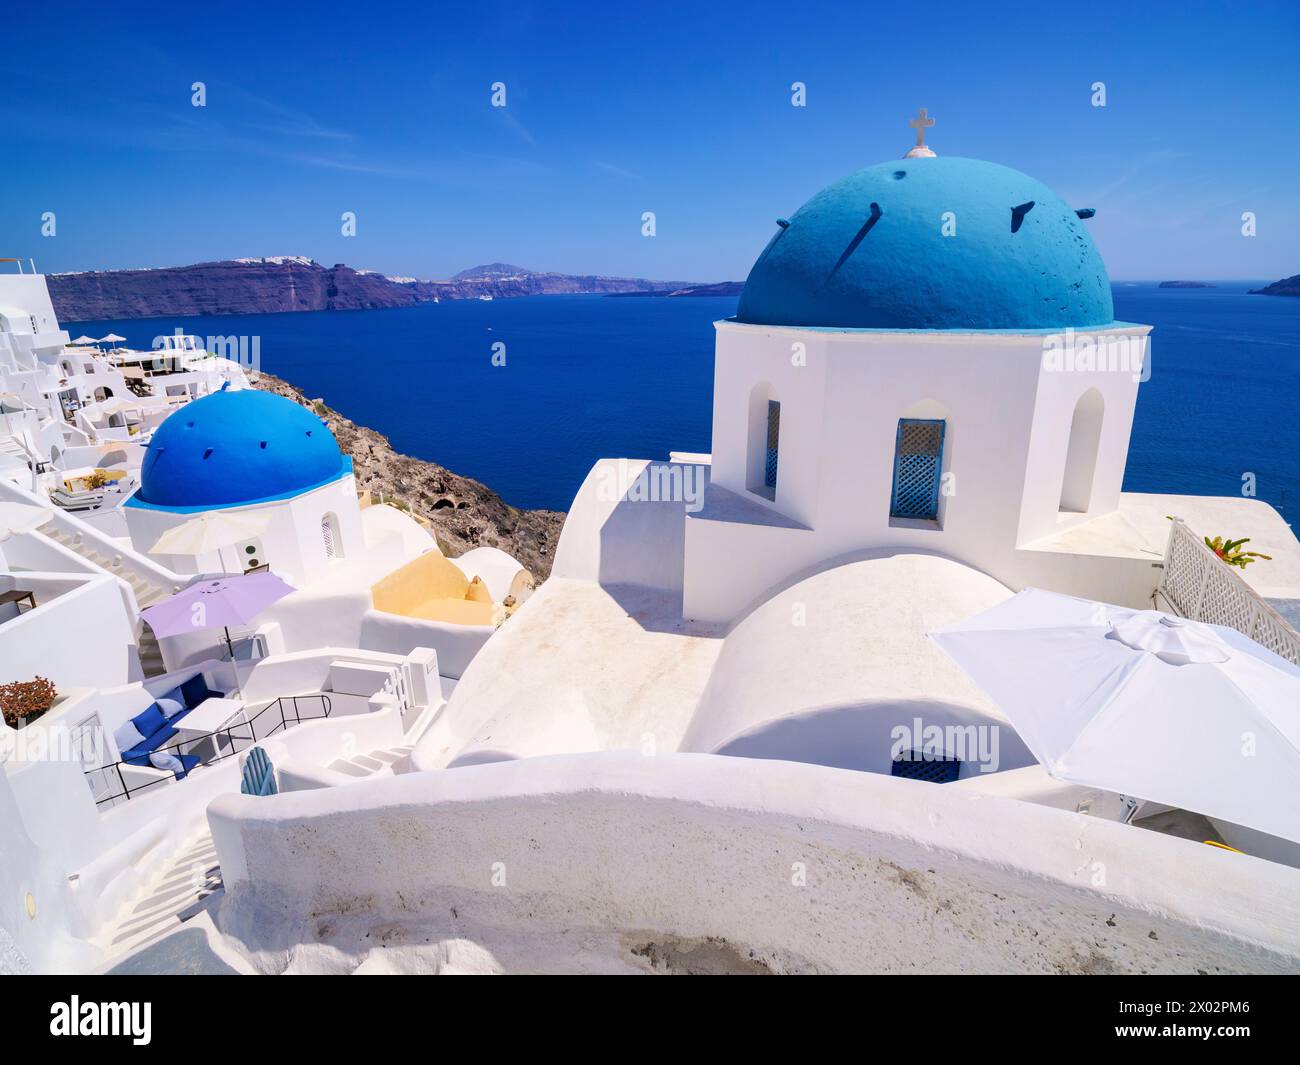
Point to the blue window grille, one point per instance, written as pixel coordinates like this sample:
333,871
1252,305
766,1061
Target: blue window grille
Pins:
922,765
773,442
918,462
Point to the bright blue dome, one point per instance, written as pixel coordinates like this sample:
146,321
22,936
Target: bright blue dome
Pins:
232,448
869,252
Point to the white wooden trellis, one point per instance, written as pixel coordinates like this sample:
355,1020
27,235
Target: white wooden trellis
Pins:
1198,585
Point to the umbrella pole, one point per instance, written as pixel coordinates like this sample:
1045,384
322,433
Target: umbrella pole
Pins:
233,664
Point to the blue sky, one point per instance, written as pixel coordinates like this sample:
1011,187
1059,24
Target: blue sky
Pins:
384,109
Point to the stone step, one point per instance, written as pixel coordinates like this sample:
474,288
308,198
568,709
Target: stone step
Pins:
344,765
146,592
185,886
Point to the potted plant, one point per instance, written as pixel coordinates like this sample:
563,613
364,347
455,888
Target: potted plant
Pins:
1231,553
22,701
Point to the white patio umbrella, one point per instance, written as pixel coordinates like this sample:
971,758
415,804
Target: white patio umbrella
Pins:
1144,704
208,532
18,518
112,338
83,339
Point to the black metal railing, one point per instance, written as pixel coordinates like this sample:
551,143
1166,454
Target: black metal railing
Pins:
243,731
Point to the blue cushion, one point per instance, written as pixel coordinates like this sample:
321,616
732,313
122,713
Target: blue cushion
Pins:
195,690
189,761
136,756
150,721
139,754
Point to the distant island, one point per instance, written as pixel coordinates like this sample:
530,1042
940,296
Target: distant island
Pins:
1186,284
284,283
720,288
1288,286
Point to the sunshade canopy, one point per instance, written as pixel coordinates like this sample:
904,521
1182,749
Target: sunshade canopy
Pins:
1144,704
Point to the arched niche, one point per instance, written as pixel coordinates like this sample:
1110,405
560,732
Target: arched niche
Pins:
1081,452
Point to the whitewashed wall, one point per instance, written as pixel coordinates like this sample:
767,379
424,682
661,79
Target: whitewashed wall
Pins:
805,867
842,394
292,544
43,942
80,635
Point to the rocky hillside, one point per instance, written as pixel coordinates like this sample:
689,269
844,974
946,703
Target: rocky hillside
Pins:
462,512
294,283
264,286
720,288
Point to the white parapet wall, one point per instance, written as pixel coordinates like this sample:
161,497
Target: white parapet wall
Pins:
777,865
80,634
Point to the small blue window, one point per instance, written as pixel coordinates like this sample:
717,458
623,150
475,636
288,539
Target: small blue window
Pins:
924,765
918,462
773,443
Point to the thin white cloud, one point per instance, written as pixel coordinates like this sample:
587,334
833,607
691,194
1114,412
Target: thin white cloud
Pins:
519,129
618,171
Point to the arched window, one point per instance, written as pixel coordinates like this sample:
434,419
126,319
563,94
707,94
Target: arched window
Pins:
102,393
329,531
1081,453
918,466
764,441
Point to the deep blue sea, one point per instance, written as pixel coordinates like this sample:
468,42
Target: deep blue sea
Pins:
592,376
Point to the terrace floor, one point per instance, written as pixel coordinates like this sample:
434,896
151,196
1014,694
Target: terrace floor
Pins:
1139,528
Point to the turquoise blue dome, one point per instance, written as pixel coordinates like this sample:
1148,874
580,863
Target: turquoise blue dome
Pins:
234,448
869,252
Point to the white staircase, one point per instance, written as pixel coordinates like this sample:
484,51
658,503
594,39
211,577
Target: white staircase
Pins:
11,446
147,592
384,762
187,884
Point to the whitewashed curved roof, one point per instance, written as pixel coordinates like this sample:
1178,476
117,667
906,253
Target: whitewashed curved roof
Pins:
581,668
817,671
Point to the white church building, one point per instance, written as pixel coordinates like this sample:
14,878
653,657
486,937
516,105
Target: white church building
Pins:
924,358
252,455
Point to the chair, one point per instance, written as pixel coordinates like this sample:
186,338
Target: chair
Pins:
259,774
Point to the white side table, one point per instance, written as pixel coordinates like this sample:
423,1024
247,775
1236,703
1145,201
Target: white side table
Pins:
206,718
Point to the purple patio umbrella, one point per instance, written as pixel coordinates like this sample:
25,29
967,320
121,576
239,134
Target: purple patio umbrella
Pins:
207,604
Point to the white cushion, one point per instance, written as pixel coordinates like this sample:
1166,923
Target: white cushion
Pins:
163,760
126,736
169,706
